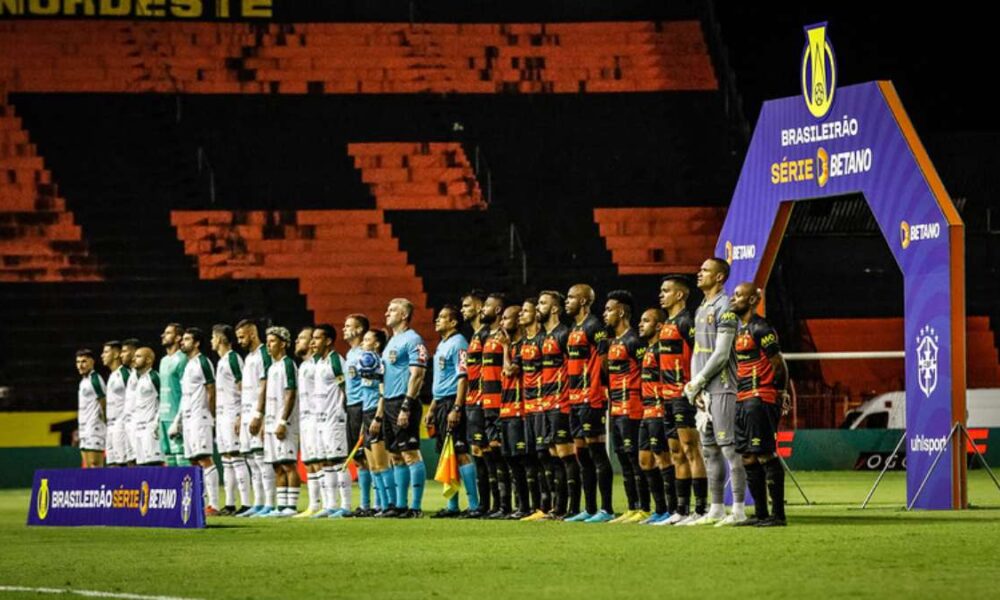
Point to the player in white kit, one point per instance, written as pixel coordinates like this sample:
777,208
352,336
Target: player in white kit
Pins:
280,414
115,445
90,406
329,402
129,346
228,381
312,458
146,412
255,367
196,418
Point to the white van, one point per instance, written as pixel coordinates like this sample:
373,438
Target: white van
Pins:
888,411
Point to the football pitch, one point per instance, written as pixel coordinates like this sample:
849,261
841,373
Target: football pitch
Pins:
830,548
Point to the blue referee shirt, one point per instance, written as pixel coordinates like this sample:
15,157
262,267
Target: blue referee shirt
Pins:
353,387
404,350
449,365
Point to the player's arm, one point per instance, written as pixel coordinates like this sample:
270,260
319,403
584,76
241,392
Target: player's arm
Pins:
376,425
258,416
290,395
461,391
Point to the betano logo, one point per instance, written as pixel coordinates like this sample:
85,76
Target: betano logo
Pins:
917,232
744,252
819,71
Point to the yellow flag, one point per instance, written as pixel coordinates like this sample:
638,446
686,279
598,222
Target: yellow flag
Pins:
447,469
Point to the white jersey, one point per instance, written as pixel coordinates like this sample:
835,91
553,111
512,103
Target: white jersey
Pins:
328,391
130,396
117,382
305,388
198,373
147,397
281,377
90,390
255,367
228,375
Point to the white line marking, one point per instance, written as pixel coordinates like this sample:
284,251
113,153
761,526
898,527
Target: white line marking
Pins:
88,593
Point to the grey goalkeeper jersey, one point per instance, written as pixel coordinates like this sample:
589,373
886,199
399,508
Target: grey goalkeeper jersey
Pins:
714,317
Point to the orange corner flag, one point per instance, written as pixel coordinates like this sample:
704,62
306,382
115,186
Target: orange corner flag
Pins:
447,469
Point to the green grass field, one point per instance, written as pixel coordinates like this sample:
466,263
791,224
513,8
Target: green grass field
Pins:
829,549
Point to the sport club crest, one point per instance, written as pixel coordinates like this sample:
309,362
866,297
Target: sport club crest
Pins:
927,360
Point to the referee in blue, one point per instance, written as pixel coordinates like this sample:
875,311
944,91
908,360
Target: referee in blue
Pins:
405,360
447,411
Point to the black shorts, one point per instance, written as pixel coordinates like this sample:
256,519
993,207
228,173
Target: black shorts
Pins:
476,430
586,422
399,439
669,427
534,432
367,418
653,435
355,422
625,435
459,438
512,437
557,428
683,412
491,418
757,426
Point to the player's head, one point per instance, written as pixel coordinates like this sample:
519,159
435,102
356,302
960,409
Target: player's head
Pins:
223,338
278,339
472,304
144,358
511,318
84,361
492,308
374,340
713,272
398,313
192,341
171,335
650,323
550,302
129,346
745,298
323,337
247,334
529,312
449,318
355,326
303,342
111,352
618,308
674,291
580,297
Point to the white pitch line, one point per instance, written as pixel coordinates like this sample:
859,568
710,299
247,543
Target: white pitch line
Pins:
88,593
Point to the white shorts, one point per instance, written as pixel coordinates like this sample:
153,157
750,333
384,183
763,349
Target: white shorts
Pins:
198,435
114,447
227,440
249,443
281,451
93,435
147,443
312,446
722,428
129,438
333,435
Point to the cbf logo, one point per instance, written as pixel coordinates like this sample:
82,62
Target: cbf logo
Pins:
42,502
819,71
186,491
927,360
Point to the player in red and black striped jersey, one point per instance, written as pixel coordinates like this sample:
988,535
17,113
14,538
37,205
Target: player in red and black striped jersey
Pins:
657,422
625,355
676,343
512,436
490,392
472,306
586,349
537,457
762,378
565,482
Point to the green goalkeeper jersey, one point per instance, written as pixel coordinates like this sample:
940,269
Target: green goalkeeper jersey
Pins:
171,369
